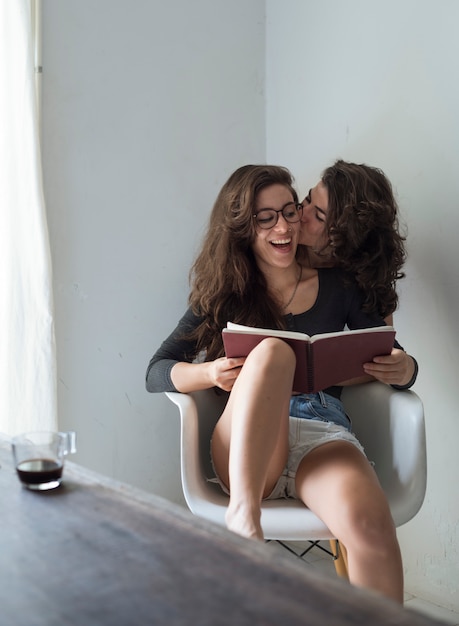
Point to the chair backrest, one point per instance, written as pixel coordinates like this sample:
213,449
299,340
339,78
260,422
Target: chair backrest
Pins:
389,424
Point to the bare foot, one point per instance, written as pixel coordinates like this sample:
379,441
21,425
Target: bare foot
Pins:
244,522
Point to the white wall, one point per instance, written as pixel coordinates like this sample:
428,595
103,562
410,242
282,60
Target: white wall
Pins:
147,108
377,82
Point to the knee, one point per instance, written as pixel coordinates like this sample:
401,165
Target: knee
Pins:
372,529
274,354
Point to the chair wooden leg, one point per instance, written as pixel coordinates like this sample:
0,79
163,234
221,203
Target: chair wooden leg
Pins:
340,556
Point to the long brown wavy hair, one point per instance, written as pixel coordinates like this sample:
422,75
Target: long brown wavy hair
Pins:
226,284
363,231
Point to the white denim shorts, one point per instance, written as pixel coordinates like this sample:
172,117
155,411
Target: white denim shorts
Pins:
311,430
304,436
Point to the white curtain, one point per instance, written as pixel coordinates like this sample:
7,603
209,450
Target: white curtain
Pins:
27,351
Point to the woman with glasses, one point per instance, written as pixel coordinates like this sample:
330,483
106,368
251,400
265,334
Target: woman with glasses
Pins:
247,272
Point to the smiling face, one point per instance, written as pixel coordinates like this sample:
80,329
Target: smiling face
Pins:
276,246
313,223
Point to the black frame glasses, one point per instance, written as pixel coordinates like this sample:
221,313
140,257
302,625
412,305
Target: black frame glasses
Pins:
268,218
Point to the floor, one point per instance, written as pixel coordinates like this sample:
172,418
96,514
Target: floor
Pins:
317,558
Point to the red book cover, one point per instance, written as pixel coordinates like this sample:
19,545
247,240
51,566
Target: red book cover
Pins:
321,360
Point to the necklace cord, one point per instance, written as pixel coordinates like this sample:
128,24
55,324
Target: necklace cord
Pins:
294,290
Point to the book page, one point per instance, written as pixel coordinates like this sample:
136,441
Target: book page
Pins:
286,334
355,331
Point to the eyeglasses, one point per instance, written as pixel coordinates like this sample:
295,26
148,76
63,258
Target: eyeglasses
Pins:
268,218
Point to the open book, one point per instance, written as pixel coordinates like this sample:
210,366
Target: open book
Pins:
322,360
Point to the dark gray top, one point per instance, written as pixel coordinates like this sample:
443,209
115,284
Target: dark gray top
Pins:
338,304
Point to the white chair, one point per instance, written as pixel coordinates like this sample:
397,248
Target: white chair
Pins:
388,423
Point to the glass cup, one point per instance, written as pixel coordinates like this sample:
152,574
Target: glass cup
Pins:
39,458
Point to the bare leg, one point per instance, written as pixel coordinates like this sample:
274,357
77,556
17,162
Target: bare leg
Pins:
250,440
337,482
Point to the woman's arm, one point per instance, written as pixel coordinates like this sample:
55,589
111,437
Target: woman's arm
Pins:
221,373
174,365
176,348
398,369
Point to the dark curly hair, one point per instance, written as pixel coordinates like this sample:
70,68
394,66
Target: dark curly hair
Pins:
363,231
226,283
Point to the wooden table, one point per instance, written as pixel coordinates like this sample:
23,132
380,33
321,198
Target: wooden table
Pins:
97,552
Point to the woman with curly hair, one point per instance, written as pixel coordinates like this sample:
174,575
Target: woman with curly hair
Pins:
247,271
350,220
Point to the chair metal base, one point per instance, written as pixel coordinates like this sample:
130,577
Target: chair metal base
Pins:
337,552
313,544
